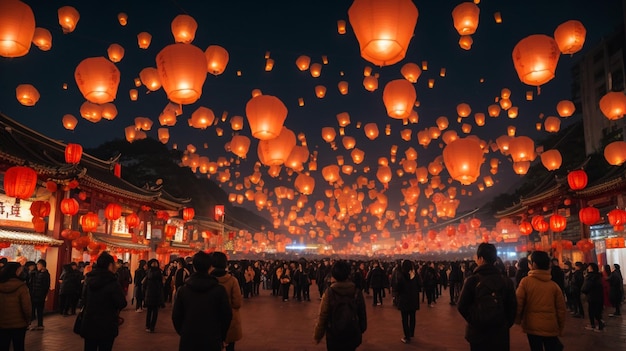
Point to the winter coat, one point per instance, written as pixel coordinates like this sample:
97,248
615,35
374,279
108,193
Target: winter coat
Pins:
467,299
70,282
558,276
15,306
408,291
338,342
540,305
592,287
577,281
123,276
153,287
443,277
140,273
235,300
103,298
616,287
376,279
429,276
456,274
201,314
40,285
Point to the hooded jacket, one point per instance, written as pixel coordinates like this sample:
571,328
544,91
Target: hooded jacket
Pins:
201,314
235,299
592,287
40,285
104,299
540,304
15,306
153,287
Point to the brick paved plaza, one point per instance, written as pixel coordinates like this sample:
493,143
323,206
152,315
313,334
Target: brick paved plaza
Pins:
270,324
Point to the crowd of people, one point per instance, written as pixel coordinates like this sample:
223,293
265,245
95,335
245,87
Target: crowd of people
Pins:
491,295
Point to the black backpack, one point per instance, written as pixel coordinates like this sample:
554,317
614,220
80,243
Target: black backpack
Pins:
343,319
488,309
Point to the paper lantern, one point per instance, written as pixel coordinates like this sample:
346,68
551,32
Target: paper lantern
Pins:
615,153
463,110
149,77
69,207
525,228
551,159
202,117
552,124
494,110
89,222
163,135
343,119
411,72
613,105
565,108
465,42
570,36
616,217
132,220
115,52
40,208
328,134
320,91
68,18
316,70
305,184
184,29
73,153
465,17
27,94
463,158
266,115
521,167
357,156
589,215
535,58
348,142
97,79
182,71
144,39
383,29
42,39
188,213
69,122
399,97
343,87
217,59
108,111
577,179
20,182
541,225
274,152
122,18
522,148
17,28
370,83
113,211
303,62
557,223
91,112
239,145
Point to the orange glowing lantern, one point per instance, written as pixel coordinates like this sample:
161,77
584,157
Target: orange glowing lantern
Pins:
68,18
411,72
463,110
589,215
341,27
188,213
89,222
316,70
217,59
73,153
144,39
202,117
615,153
266,115
535,58
463,158
522,148
113,211
328,134
27,94
521,167
557,223
552,124
40,209
163,135
97,79
525,228
17,28
383,30
122,18
541,225
494,110
115,52
465,17
551,159
399,97
69,207
303,62
465,42
570,36
616,217
182,70
274,152
320,91
343,119
20,182
239,145
370,83
577,180
184,29
132,220
149,77
305,184
42,39
357,156
565,108
69,122
343,87
613,105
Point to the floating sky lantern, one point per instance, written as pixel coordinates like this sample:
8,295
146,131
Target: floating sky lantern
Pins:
522,148
370,83
535,59
217,59
122,18
184,29
97,79
552,124
613,105
27,94
465,17
266,115
17,28
570,37
274,152
615,153
551,159
68,18
343,87
182,70
149,77
69,122
411,72
465,42
164,135
565,108
42,39
399,97
463,158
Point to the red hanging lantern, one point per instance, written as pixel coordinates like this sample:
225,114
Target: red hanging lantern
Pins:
541,225
577,180
4,244
70,234
170,231
82,196
20,182
462,228
89,222
39,225
617,217
557,223
113,211
188,213
132,220
73,184
40,209
432,234
589,215
51,186
69,207
585,245
41,248
525,228
162,215
475,223
450,231
73,153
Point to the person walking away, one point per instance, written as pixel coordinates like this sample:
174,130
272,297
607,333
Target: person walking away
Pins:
455,281
616,290
557,274
219,262
606,286
15,307
103,299
540,305
576,286
320,277
568,275
249,282
429,279
375,281
40,281
257,279
488,304
182,273
201,314
154,297
592,287
522,270
70,288
138,293
169,272
285,282
407,290
123,276
342,316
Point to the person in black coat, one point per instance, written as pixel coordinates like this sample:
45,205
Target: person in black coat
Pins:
616,290
70,288
201,314
407,290
138,292
522,270
430,279
40,286
576,284
455,281
103,300
592,287
153,289
558,276
375,280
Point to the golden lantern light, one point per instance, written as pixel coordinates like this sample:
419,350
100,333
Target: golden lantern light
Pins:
535,59
316,70
133,94
615,153
217,59
463,158
497,16
341,27
466,128
149,77
512,112
266,115
274,152
552,124
521,168
431,83
442,122
343,87
449,136
383,30
522,148
303,62
340,160
399,96
505,103
182,71
184,29
370,83
91,112
122,18
236,123
463,110
305,184
202,117
343,119
510,130
115,52
137,82
27,94
239,145
68,18
42,38
357,156
465,17
269,65
613,105
565,108
570,37
348,142
163,135
69,122
320,91
371,131
17,28
97,79
167,118
331,173
143,123
494,110
143,40
465,42
529,96
551,159
479,118
411,72
297,156
488,181
328,134
384,175
504,142
406,134
130,133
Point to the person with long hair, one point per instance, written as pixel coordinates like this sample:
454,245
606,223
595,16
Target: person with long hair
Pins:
407,289
592,287
616,290
15,307
154,295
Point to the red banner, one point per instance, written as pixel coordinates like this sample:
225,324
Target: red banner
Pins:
219,212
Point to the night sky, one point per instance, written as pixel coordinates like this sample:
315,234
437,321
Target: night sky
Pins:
288,29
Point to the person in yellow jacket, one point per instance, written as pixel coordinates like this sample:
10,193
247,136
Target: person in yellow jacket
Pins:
15,307
541,306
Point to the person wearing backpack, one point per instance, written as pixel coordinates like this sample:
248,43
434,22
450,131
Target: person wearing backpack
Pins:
488,304
541,306
342,317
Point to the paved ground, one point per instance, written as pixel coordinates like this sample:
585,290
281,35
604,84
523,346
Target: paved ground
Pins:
270,324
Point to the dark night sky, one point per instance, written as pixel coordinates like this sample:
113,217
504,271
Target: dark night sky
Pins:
247,29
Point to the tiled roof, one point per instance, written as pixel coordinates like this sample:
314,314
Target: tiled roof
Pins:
28,238
118,242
